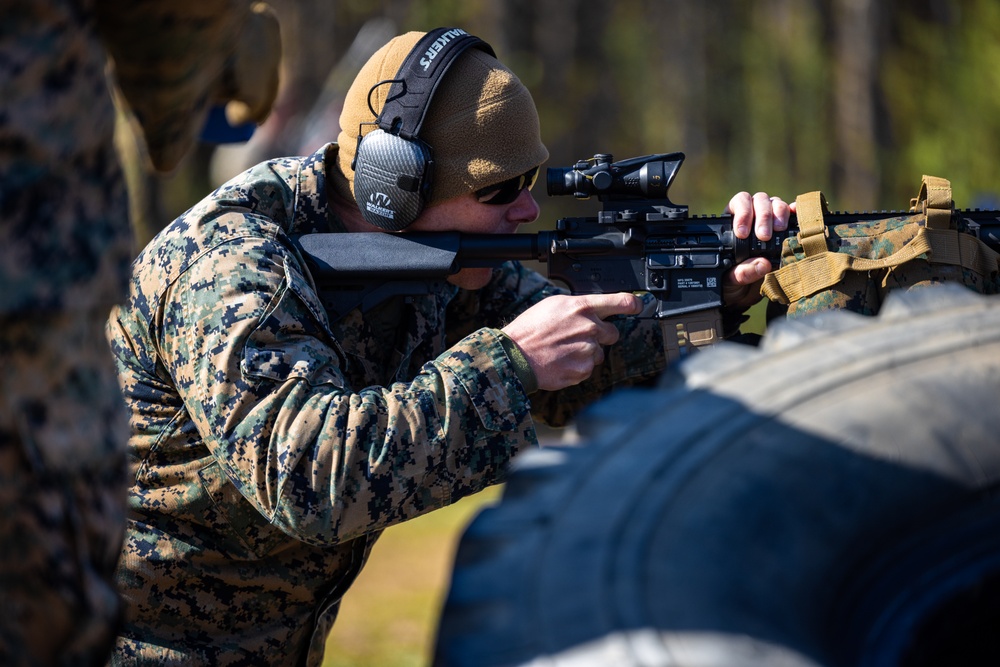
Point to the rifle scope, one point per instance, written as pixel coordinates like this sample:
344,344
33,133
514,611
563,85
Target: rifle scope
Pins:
646,177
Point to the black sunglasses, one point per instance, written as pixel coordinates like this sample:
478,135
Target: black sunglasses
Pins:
507,191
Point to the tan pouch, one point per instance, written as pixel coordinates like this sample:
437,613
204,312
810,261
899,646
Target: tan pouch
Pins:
851,266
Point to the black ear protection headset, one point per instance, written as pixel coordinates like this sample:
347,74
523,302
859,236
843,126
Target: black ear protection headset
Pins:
393,167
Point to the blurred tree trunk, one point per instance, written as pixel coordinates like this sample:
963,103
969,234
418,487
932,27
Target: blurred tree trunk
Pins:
675,78
575,92
855,56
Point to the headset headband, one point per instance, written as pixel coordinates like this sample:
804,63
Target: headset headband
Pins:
418,77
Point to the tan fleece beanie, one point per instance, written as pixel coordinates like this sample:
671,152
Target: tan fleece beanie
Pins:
482,125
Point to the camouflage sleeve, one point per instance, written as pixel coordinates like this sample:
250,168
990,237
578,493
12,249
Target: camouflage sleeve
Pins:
637,356
262,380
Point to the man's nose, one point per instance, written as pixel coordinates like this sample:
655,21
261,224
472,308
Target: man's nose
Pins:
524,209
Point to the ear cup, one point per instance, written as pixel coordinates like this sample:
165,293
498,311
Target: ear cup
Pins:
393,167
391,179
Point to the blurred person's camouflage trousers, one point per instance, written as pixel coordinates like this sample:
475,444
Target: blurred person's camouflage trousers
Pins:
65,249
62,490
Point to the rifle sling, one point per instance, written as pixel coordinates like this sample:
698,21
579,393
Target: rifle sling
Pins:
810,208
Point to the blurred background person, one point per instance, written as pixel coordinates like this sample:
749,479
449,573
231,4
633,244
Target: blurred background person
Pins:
65,249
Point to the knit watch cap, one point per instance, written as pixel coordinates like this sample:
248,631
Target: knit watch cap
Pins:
482,125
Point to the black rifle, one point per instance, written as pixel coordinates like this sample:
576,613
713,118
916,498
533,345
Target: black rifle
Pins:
639,242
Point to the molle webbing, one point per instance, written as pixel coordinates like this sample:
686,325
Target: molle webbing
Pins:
929,237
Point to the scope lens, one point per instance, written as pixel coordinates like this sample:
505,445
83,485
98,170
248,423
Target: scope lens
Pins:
559,181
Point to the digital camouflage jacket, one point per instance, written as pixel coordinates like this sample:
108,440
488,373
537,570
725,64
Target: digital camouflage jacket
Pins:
269,447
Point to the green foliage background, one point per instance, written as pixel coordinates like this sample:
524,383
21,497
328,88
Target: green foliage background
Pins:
858,98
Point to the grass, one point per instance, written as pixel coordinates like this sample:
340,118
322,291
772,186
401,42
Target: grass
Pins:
389,616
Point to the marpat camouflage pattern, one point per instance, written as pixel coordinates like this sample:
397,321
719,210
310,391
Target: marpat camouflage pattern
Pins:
270,447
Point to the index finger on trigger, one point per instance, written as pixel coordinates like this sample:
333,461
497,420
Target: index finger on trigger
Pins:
620,303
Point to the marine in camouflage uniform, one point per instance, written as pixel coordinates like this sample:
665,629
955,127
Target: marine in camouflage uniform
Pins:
65,248
270,446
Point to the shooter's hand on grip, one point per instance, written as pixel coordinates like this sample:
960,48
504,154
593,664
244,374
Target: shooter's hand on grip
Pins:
563,337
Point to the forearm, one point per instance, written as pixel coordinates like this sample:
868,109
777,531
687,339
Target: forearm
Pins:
382,455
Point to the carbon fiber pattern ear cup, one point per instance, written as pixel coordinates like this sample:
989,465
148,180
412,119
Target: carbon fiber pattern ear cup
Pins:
391,178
